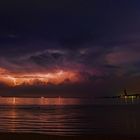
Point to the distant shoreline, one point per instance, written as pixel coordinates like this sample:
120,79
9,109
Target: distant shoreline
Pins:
46,97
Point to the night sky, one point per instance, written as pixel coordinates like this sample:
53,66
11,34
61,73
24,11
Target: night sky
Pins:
96,40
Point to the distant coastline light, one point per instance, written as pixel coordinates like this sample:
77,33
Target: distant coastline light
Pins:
14,100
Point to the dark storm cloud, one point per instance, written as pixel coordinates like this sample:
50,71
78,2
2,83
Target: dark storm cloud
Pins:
97,38
70,22
80,58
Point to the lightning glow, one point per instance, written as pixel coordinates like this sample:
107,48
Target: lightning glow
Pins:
16,79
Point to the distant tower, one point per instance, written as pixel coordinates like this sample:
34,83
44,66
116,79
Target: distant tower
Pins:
125,92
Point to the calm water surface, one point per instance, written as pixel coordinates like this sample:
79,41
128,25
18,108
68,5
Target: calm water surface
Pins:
70,116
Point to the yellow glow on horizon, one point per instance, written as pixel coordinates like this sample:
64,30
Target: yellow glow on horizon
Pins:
16,79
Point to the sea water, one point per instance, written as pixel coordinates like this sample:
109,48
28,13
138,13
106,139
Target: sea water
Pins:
70,116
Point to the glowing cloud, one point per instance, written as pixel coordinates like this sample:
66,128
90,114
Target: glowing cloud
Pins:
16,79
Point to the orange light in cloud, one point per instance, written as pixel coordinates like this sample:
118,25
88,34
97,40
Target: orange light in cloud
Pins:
16,79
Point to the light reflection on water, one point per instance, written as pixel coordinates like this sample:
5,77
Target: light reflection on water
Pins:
70,116
38,101
66,101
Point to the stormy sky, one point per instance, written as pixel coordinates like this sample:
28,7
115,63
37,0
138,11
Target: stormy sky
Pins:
98,39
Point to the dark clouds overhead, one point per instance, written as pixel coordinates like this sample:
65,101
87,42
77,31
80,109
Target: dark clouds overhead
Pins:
97,38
